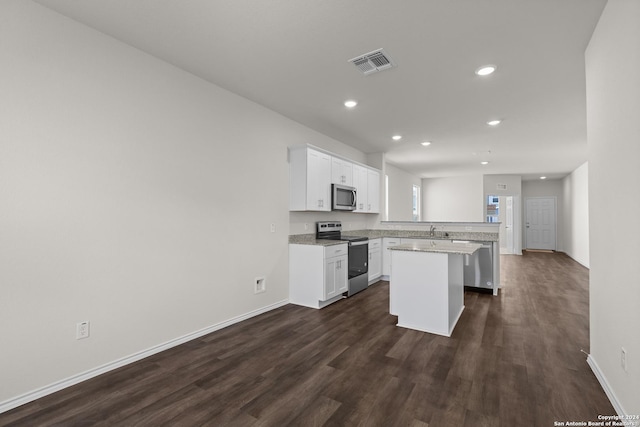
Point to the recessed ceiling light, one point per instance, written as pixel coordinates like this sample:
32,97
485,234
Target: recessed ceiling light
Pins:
543,177
350,103
396,137
484,163
485,70
426,143
494,122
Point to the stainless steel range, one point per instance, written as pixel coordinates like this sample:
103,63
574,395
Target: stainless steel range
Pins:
358,256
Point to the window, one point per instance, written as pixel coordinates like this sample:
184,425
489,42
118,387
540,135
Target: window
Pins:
416,203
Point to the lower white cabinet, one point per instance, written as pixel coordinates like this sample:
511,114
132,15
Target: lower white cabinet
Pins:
388,242
318,275
335,276
375,260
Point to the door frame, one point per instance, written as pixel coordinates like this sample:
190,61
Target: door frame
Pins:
518,216
555,222
509,249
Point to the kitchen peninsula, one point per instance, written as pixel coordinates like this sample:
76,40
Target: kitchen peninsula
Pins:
427,289
322,286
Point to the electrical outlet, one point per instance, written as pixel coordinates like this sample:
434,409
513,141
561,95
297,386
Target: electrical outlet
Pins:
273,228
260,285
623,358
82,330
306,226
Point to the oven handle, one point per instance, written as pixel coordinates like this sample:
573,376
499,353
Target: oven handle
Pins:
364,242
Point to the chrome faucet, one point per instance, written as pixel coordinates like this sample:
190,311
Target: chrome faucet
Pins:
432,230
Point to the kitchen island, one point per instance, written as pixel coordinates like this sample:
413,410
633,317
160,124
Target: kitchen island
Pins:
426,286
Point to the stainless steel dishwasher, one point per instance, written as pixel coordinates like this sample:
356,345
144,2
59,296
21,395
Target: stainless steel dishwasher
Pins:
478,268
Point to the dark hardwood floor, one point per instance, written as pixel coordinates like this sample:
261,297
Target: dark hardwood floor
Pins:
513,360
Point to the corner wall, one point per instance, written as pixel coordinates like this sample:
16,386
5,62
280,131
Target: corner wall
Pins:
613,132
400,194
576,215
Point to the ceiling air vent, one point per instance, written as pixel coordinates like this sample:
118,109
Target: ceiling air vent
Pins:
372,62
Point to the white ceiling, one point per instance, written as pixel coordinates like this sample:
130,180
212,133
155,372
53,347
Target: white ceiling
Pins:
292,57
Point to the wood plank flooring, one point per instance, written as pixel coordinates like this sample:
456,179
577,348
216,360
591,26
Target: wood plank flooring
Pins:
513,360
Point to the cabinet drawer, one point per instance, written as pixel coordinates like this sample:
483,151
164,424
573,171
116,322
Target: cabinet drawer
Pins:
335,250
375,244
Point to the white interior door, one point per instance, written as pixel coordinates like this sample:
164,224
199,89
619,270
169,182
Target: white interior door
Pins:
540,223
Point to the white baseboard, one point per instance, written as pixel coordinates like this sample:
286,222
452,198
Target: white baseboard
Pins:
606,387
68,382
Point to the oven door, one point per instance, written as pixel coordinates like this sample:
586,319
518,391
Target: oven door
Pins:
358,258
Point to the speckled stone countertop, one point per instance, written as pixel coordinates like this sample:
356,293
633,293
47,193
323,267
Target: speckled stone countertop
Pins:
438,246
310,239
476,236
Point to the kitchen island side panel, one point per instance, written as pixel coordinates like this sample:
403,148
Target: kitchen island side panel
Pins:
455,289
419,287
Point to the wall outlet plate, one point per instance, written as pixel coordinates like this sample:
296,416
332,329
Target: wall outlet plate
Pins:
82,330
260,285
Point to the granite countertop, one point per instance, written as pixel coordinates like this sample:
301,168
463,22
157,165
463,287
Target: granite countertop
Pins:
439,246
477,236
310,239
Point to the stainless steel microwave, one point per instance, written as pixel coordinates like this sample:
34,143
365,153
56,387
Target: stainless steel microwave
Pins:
343,198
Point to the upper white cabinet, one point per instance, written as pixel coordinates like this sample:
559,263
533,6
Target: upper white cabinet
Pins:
360,176
312,171
367,184
309,180
341,171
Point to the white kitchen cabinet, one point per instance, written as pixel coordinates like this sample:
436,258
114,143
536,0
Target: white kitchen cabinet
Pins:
313,170
367,184
375,260
373,191
309,180
388,242
318,275
360,177
341,171
335,277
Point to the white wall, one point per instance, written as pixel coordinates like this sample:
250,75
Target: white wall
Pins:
400,193
547,188
132,194
576,214
491,185
613,132
457,198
